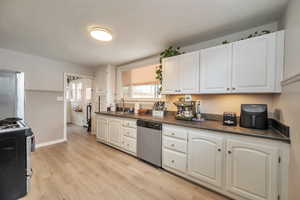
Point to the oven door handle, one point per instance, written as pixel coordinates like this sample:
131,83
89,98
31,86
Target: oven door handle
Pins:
8,148
32,138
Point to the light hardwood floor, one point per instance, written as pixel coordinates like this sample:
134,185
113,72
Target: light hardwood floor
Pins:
83,169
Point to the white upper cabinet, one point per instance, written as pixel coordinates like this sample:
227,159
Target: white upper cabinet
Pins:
189,72
181,74
205,157
254,65
252,170
215,69
170,84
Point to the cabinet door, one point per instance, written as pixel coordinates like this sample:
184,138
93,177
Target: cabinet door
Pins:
215,69
170,83
189,73
205,158
102,129
254,64
115,132
252,170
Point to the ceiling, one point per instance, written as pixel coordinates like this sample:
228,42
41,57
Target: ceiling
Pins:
57,29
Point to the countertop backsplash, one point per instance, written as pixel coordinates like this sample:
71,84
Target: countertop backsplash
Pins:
215,104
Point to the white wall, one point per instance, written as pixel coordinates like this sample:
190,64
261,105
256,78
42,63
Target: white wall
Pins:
287,104
45,115
40,73
230,38
219,103
205,44
43,84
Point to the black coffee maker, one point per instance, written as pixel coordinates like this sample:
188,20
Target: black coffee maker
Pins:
254,116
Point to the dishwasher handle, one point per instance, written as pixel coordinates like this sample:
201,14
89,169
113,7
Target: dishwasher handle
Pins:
149,124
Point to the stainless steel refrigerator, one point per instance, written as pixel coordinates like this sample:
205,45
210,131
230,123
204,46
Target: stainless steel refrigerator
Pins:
11,94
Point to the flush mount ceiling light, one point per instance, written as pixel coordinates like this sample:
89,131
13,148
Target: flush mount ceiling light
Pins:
100,33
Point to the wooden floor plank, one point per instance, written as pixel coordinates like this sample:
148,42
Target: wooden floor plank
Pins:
83,169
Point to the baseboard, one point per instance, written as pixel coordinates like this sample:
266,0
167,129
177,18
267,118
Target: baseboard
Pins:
50,143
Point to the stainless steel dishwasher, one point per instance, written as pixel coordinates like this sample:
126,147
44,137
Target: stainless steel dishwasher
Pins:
149,142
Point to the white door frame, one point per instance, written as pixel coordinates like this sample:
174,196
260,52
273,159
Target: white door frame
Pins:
65,100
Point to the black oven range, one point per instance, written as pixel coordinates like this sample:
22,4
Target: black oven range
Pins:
16,144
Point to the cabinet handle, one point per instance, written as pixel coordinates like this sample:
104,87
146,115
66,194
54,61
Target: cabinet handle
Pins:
172,145
227,89
219,149
229,152
233,88
172,161
172,133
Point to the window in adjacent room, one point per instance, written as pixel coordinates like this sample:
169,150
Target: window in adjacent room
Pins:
140,83
79,91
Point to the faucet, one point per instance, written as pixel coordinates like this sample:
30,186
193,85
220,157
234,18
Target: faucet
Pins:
123,104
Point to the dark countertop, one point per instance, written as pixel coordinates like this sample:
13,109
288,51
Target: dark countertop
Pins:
270,133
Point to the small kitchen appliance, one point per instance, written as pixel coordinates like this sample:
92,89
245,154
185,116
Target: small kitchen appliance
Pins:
185,110
158,109
254,116
229,119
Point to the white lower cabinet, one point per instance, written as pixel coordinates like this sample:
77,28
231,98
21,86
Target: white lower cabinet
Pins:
119,133
205,157
115,132
102,129
240,167
174,160
129,144
252,170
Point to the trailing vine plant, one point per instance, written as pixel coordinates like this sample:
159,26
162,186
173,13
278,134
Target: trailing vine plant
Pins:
169,52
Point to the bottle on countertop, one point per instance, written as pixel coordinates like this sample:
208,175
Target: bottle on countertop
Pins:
136,108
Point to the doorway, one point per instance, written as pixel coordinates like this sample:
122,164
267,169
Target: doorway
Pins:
78,91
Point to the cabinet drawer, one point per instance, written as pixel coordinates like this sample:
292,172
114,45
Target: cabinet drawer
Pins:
175,144
129,132
174,160
129,144
176,132
129,123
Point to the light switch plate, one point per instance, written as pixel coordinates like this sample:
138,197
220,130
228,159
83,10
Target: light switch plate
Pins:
59,98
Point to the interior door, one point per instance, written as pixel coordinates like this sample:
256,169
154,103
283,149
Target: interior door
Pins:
205,158
252,170
170,83
189,72
215,69
115,132
254,64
